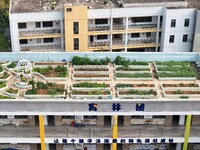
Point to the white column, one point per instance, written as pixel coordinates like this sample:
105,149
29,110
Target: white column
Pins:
62,38
178,146
182,120
111,27
45,121
47,146
157,33
126,35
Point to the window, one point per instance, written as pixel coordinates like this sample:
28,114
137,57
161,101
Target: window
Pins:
69,9
171,39
101,21
23,41
148,34
141,19
187,23
173,23
38,24
102,37
21,25
48,40
137,117
135,35
76,44
185,38
76,27
3,117
47,24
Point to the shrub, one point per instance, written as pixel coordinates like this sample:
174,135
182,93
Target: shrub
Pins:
87,61
135,75
2,84
52,92
90,85
12,65
125,62
33,91
1,68
60,69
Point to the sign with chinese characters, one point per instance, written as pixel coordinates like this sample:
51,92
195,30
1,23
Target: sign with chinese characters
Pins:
116,107
110,140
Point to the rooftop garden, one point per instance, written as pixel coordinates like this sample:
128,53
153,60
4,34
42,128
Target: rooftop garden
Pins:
121,85
138,92
11,65
2,84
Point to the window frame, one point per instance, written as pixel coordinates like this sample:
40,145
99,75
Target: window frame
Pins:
47,24
44,40
187,23
185,38
173,23
76,27
171,38
20,25
76,43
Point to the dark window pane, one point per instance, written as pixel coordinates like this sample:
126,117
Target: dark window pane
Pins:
21,25
76,44
171,39
48,24
187,23
48,40
173,23
185,38
76,27
101,21
135,35
23,41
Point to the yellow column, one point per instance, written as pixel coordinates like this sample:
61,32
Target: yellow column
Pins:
114,131
42,132
187,132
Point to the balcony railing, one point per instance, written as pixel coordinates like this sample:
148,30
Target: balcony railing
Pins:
98,28
39,32
99,44
142,26
119,27
43,48
148,41
87,132
118,42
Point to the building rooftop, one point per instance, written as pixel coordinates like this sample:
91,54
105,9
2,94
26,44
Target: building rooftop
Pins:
23,6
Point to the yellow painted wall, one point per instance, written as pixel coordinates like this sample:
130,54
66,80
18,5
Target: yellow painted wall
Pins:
78,14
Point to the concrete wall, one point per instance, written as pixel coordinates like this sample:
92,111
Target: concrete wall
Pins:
59,56
100,120
168,120
195,120
127,120
196,44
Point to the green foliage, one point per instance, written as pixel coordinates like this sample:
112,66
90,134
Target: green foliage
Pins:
135,75
62,74
42,71
120,85
11,90
4,18
5,75
52,92
179,69
90,85
125,62
4,97
91,92
60,69
177,74
33,91
178,92
12,65
2,84
137,92
173,63
41,85
1,68
87,61
126,68
184,97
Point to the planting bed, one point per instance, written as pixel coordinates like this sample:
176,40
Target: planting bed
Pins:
89,85
133,76
40,90
180,86
91,68
91,76
90,94
11,92
51,72
125,93
131,86
175,71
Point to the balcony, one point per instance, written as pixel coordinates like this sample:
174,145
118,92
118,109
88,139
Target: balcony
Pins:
142,28
142,43
94,30
119,28
103,45
31,34
118,44
42,48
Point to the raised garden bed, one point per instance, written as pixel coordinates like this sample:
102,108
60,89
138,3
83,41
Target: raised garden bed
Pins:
1,68
173,63
126,62
5,77
91,68
10,66
182,93
45,90
4,97
50,63
87,61
131,86
58,71
11,92
2,85
123,93
180,86
89,85
177,76
90,76
133,76
91,94
122,68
